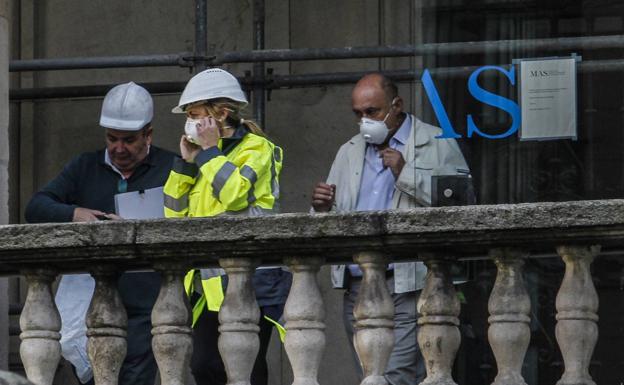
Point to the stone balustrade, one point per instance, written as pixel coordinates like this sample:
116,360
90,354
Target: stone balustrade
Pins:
507,234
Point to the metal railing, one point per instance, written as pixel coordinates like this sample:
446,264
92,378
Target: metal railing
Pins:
507,234
276,82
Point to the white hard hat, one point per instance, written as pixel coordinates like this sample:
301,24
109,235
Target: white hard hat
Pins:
127,107
212,83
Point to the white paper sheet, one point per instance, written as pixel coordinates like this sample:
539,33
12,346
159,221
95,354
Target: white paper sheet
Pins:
145,204
548,99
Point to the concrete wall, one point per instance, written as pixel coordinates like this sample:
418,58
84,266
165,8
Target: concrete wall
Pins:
309,123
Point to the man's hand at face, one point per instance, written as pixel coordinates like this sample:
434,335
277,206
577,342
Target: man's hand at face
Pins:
323,197
82,214
393,159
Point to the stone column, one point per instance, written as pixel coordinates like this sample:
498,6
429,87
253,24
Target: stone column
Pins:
171,320
438,336
13,379
577,306
106,328
239,317
374,318
5,152
40,322
509,306
305,314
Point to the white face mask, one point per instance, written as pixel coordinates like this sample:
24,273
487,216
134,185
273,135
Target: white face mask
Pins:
374,131
190,129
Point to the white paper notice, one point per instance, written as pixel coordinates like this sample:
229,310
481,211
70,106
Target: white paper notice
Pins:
145,204
548,99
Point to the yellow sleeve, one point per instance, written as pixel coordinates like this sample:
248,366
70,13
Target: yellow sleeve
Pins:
233,180
181,179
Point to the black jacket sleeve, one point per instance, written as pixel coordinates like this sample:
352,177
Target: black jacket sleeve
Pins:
55,202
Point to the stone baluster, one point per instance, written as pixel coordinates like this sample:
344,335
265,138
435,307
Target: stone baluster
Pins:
106,327
171,320
305,314
577,304
374,318
9,378
509,306
238,318
438,335
40,322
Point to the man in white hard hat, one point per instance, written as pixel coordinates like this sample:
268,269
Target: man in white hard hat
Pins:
84,191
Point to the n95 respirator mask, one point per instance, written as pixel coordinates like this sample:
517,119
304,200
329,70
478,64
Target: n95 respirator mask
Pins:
190,130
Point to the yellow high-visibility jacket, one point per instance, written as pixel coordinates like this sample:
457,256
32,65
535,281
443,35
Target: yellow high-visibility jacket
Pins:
239,176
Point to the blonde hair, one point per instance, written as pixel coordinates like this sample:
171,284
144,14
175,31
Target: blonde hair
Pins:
216,108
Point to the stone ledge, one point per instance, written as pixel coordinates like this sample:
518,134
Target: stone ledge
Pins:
466,231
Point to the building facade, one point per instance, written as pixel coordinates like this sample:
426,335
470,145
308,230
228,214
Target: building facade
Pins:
53,115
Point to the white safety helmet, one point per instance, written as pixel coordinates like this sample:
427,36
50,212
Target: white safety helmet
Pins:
209,84
127,107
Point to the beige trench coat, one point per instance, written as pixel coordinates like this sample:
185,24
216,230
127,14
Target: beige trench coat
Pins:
425,156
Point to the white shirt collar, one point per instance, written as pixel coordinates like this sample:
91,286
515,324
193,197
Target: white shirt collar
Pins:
108,161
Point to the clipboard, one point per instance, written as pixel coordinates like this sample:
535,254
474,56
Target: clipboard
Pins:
143,204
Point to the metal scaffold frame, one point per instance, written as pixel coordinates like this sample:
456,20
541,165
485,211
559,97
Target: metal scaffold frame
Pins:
261,79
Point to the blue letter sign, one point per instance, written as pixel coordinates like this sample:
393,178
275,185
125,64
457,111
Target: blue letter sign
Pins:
481,95
493,100
438,108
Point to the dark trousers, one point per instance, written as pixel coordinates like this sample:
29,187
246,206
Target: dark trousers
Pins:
138,371
206,364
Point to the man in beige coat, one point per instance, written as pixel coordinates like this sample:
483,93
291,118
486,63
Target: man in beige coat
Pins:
388,165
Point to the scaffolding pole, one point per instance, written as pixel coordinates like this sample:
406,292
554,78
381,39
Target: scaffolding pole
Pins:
291,81
184,59
201,36
259,93
526,47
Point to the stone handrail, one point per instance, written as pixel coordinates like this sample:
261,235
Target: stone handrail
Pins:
508,234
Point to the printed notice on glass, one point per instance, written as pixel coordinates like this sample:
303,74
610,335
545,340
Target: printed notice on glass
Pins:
548,99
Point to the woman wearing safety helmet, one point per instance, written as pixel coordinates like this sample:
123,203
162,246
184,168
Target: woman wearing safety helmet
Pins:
228,166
